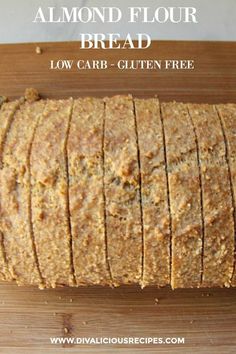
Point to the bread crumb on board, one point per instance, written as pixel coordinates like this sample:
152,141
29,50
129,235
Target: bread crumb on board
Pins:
2,100
38,50
206,294
31,95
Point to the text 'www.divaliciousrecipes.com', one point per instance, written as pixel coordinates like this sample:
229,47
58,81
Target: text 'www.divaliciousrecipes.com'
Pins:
117,340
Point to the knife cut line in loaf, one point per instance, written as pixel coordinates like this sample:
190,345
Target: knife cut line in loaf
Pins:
140,188
201,194
67,192
168,189
104,194
30,207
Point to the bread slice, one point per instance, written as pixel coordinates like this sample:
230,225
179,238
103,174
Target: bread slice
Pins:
184,195
7,112
218,249
227,114
122,192
50,217
156,221
15,196
86,194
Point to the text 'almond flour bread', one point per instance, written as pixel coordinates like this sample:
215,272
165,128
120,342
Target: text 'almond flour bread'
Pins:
7,112
122,191
184,194
227,114
15,195
86,194
156,221
218,250
49,191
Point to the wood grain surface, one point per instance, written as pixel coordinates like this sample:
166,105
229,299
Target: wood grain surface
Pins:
206,318
29,317
212,80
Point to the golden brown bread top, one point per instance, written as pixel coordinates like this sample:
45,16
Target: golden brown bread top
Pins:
123,212
185,196
15,195
156,262
49,194
103,179
7,112
227,114
85,155
219,245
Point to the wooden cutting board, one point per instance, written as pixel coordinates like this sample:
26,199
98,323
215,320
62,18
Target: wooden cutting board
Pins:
206,318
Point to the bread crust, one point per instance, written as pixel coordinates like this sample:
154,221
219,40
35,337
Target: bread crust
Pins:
122,192
184,193
85,154
227,114
49,187
7,112
156,223
15,196
218,249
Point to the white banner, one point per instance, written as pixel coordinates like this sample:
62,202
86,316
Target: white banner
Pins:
20,21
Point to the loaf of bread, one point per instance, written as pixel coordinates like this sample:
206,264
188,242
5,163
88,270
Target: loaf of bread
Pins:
117,191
